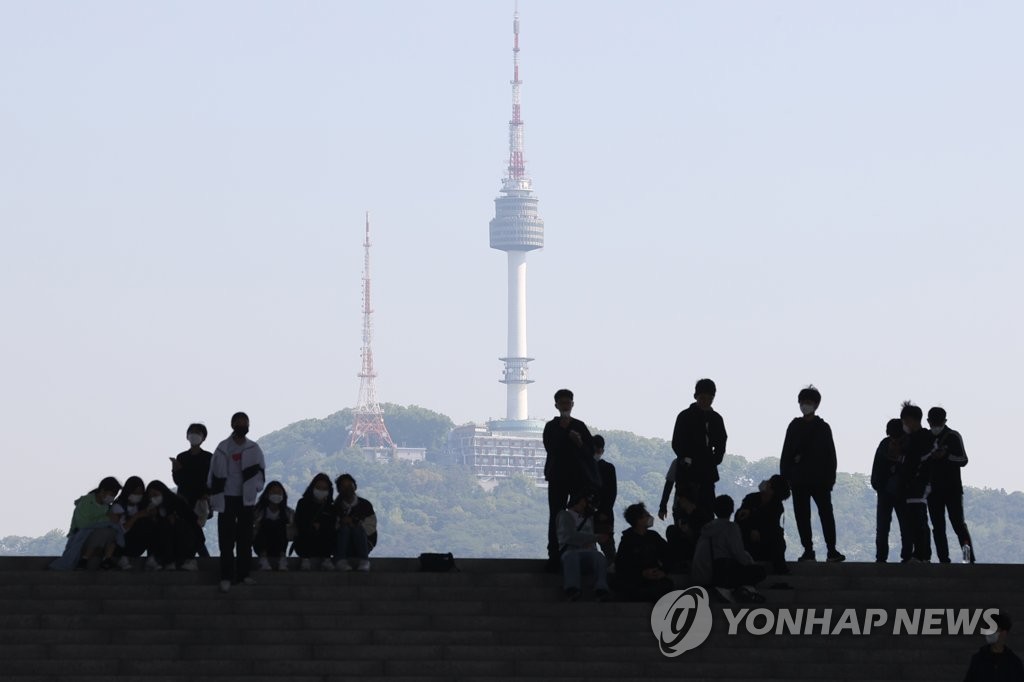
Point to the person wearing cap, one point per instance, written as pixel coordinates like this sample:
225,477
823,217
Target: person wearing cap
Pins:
947,493
577,543
995,662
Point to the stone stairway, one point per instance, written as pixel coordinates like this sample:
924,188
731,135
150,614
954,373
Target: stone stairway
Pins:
495,620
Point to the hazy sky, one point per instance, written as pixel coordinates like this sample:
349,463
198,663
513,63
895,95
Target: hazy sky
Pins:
766,193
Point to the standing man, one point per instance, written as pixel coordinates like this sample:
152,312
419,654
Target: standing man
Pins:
235,480
947,494
809,464
698,440
190,469
604,518
916,478
568,468
885,480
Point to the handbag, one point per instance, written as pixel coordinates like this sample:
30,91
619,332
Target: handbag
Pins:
437,563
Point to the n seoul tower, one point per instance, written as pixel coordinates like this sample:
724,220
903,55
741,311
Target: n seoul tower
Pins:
516,229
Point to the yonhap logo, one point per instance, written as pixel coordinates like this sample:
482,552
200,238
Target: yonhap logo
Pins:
681,620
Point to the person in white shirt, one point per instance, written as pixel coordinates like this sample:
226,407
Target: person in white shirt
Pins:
577,542
237,474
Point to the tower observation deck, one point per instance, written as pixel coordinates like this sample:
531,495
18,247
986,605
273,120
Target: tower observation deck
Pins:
517,229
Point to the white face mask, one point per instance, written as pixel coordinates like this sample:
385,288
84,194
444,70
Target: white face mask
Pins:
134,499
992,638
807,408
650,521
906,429
936,430
108,500
320,494
157,500
275,499
195,438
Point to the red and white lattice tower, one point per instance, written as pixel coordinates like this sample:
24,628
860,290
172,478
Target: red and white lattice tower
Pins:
369,430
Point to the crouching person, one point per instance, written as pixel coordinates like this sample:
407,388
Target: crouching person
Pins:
174,538
760,521
720,559
641,560
273,520
94,533
316,525
357,526
577,543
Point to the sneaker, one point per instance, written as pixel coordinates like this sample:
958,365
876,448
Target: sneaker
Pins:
968,554
364,566
808,555
152,564
304,565
343,565
573,594
327,565
264,564
248,581
225,585
913,560
124,563
190,565
108,563
282,564
835,556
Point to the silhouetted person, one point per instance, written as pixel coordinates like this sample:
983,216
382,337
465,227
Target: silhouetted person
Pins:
720,559
174,529
357,526
698,440
273,521
577,544
190,471
604,518
915,473
681,535
947,493
995,662
236,478
760,520
568,465
887,483
316,525
642,559
809,464
130,510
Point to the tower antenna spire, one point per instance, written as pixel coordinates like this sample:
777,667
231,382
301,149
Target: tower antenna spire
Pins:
369,429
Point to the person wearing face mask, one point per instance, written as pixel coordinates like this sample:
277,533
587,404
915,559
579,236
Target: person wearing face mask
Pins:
808,462
569,465
94,532
996,662
885,480
190,470
273,520
173,542
760,520
604,518
947,493
698,440
915,476
316,524
721,561
642,559
577,544
130,510
237,474
357,526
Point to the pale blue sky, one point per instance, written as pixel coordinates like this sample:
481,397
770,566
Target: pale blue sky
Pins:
767,193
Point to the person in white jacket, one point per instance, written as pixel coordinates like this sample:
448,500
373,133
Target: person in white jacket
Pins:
720,559
578,545
237,475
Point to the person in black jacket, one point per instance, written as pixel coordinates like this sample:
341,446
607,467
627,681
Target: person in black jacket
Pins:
642,559
189,471
316,524
173,540
698,440
995,662
885,481
568,468
809,464
947,493
760,520
604,517
915,475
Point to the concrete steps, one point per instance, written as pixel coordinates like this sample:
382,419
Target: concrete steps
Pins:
494,620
